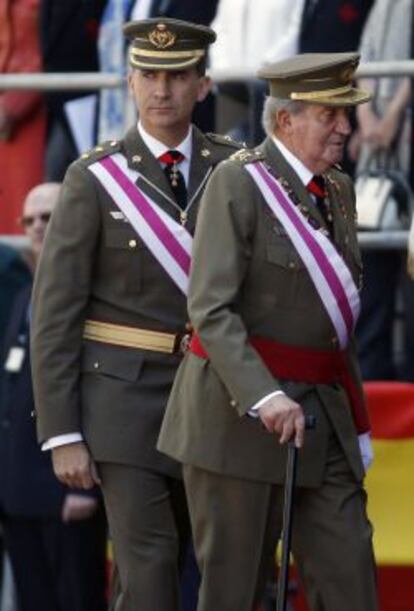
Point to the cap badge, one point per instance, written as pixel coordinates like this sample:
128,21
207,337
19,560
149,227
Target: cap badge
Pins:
162,37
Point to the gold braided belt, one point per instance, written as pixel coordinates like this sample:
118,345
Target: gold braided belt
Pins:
134,337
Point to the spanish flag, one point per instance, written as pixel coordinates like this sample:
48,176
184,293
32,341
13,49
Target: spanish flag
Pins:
390,487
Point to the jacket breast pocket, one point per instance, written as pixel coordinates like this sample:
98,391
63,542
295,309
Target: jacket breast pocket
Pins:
281,252
124,254
111,361
287,280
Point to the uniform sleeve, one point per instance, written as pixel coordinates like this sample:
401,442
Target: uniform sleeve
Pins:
61,293
222,251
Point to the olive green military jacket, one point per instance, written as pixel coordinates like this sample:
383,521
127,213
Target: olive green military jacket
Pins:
94,266
248,280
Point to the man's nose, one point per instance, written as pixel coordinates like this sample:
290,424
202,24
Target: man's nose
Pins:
343,123
162,89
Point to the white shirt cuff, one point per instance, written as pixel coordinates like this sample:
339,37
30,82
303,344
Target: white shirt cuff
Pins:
61,440
253,411
365,447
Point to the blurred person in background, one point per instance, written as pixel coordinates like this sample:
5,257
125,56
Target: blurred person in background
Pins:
55,537
384,139
68,36
248,35
22,113
334,26
14,274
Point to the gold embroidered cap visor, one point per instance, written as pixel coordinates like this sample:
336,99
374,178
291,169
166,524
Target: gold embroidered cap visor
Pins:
319,78
167,44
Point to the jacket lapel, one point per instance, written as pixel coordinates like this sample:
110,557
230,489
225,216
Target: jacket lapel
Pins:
152,180
291,181
339,220
202,162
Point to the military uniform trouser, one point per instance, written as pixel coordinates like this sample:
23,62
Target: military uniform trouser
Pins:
148,523
236,524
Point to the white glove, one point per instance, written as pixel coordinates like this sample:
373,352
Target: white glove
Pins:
365,447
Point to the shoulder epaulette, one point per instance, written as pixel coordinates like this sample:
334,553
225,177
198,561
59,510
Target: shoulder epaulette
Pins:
224,140
101,150
247,155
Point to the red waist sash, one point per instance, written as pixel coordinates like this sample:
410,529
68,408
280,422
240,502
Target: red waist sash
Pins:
307,365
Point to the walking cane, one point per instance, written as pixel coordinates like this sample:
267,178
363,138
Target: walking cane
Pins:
282,589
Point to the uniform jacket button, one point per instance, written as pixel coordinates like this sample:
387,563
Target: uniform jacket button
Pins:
233,403
132,243
96,365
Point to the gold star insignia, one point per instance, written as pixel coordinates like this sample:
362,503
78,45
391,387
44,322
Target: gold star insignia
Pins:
205,153
136,159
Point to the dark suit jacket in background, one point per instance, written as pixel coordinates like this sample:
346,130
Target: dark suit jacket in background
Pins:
198,11
68,38
14,275
70,562
28,486
332,26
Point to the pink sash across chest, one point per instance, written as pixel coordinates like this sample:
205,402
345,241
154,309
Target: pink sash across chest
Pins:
329,273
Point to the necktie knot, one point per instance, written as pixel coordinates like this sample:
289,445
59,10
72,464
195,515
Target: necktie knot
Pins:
171,157
317,187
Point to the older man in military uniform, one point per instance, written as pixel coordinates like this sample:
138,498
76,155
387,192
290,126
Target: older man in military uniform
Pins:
274,299
110,308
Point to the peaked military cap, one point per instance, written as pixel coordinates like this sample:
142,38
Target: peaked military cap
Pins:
321,78
167,44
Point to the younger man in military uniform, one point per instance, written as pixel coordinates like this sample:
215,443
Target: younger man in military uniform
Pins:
110,308
274,299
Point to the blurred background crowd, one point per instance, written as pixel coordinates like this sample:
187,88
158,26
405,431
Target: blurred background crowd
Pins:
55,538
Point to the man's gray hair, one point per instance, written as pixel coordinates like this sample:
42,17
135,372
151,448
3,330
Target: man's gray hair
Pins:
271,108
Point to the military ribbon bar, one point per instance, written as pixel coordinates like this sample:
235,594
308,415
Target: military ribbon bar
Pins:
168,241
327,269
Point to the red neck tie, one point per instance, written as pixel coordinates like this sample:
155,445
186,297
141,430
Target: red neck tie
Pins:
317,187
171,159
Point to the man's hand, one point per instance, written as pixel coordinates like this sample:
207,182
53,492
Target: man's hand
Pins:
78,507
283,416
73,466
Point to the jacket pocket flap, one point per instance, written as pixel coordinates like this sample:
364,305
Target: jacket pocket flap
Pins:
283,255
115,361
124,238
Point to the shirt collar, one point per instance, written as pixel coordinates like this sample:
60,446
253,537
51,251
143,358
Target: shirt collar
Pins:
158,148
301,170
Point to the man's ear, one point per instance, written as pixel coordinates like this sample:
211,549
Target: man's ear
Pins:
284,121
204,86
130,81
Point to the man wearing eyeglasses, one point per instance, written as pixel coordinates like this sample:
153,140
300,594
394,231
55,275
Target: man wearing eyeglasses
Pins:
55,537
